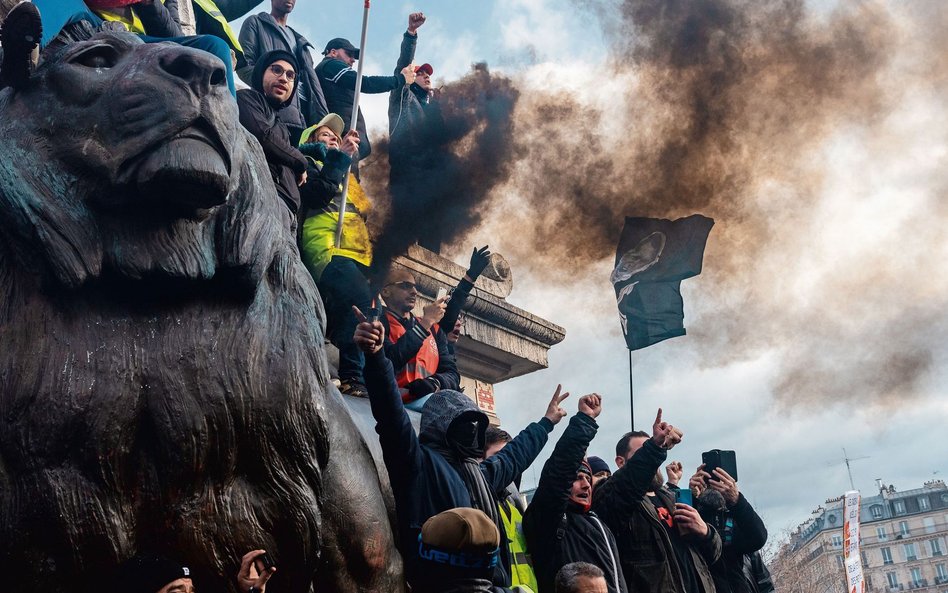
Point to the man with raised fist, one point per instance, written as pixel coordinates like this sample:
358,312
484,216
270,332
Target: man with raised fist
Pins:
666,547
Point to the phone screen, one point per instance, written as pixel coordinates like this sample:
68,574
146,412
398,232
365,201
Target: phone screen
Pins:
684,497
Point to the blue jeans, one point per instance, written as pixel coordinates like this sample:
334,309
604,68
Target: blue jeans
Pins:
59,13
342,284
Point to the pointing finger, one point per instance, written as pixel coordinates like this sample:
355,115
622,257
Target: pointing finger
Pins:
658,417
358,314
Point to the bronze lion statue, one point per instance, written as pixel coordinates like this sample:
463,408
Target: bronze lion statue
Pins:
163,384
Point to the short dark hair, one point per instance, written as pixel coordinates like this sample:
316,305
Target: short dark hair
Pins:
496,435
568,575
622,447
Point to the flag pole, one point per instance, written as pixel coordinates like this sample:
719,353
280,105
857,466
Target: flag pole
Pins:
631,394
344,196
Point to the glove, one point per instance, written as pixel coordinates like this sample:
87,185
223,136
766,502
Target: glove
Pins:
479,260
422,387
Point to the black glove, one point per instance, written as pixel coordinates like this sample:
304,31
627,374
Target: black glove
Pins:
479,260
422,387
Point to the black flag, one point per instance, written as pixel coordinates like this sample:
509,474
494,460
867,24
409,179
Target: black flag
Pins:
653,257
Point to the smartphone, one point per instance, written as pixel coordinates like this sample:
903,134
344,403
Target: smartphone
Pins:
683,495
372,315
715,458
263,563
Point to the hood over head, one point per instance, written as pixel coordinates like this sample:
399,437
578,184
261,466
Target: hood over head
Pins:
264,62
443,409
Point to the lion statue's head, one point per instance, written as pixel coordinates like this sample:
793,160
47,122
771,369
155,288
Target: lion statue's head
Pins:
163,386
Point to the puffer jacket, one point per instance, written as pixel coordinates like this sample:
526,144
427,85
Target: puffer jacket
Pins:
648,559
424,475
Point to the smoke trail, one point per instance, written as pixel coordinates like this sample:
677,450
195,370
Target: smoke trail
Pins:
438,191
740,110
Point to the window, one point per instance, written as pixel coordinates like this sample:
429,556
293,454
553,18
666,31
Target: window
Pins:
876,511
880,534
837,541
923,503
916,576
903,528
899,506
935,545
910,552
941,572
886,556
892,579
929,523
839,560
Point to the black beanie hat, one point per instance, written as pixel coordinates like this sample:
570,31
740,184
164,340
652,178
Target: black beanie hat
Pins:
256,81
148,574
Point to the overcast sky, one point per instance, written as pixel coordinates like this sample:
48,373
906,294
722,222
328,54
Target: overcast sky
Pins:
788,355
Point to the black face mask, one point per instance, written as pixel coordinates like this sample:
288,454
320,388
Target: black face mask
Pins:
464,437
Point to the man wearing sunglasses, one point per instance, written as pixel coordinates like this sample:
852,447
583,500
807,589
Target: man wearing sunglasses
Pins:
272,87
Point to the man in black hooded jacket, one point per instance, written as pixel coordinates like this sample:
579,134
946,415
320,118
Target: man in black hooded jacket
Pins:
274,84
442,467
559,526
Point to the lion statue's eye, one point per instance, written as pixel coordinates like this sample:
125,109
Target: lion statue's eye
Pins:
100,56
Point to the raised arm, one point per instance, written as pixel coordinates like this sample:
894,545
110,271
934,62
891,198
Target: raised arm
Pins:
400,447
501,469
479,260
615,498
559,472
409,40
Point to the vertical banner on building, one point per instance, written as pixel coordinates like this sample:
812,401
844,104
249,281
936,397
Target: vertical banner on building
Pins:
853,559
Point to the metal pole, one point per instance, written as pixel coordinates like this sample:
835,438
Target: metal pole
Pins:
631,395
352,123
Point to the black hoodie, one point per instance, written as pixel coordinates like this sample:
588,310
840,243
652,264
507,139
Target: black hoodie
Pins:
423,469
258,113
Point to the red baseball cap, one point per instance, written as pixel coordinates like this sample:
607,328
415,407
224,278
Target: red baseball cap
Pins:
426,68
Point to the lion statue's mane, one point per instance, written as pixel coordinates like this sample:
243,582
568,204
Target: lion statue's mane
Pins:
163,385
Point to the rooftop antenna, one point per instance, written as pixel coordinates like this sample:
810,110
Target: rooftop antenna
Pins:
847,459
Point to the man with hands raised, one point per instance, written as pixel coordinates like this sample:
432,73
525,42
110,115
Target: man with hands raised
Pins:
442,467
665,547
559,526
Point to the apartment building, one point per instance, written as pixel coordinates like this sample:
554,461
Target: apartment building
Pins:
904,542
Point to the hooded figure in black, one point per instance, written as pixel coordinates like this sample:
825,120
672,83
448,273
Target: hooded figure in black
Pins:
442,467
258,107
742,534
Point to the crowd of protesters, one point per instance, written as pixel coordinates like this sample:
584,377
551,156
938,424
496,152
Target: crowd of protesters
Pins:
462,525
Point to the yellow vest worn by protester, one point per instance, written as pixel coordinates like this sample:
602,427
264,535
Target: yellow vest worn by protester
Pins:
521,569
220,25
318,241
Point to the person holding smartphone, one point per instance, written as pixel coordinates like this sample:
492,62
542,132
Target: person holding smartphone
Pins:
721,503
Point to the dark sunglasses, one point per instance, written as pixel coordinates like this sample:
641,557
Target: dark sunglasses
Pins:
280,71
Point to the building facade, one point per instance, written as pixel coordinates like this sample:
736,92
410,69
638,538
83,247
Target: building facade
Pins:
904,542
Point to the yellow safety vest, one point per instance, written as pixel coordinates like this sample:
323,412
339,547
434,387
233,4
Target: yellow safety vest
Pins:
134,24
521,567
129,19
225,32
318,240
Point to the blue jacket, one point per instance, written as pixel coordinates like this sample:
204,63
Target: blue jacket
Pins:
424,481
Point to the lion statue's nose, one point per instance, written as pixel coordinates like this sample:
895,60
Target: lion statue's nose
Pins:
201,70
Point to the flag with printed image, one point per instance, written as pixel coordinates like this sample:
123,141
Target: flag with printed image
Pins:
653,257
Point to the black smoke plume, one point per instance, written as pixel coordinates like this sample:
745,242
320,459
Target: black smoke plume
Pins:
439,191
